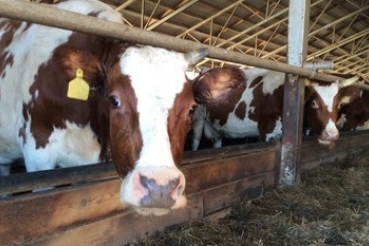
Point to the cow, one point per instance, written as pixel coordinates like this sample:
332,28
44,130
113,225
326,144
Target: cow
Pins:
355,115
236,103
69,98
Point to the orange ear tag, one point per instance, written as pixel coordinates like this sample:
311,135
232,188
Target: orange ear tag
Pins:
78,88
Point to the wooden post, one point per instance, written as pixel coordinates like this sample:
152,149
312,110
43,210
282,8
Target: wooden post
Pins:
293,103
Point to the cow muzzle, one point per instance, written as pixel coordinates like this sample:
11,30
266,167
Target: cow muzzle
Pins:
328,136
155,191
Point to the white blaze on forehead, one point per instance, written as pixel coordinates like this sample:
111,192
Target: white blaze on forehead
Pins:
327,93
157,76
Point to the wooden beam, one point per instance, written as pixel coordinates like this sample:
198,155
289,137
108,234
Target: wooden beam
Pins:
47,15
293,101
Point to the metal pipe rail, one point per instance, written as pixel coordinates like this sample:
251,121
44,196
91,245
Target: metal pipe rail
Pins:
46,15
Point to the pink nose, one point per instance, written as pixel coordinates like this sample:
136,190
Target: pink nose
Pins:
158,192
330,135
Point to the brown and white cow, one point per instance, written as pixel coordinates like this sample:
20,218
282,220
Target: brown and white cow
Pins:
355,114
237,103
73,99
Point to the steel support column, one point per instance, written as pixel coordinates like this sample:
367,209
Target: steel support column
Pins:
293,103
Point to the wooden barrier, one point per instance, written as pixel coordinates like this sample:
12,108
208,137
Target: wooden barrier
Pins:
91,214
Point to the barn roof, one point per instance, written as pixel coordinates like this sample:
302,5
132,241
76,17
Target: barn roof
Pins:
339,29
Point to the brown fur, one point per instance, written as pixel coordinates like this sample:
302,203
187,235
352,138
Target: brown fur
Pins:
179,121
52,108
6,38
241,110
267,108
223,86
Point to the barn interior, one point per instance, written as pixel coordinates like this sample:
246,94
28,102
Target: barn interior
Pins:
338,32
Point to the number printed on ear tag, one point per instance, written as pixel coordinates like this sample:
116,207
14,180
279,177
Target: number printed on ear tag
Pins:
78,88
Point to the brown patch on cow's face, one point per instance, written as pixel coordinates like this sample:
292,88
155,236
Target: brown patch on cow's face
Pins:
220,88
125,135
179,121
356,110
316,112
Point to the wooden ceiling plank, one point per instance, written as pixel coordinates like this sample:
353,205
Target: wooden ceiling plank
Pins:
283,47
319,16
124,5
210,18
152,14
338,44
174,13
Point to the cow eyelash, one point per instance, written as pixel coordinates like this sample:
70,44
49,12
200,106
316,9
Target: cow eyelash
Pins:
114,101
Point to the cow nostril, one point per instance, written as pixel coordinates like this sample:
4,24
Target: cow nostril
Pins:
180,190
147,183
163,196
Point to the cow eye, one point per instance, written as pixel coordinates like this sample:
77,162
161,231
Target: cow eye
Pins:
192,110
114,101
314,104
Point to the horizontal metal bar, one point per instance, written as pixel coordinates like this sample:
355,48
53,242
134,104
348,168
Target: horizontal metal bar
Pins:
317,65
46,15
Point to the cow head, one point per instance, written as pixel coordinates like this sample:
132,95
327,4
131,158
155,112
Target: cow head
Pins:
323,100
151,102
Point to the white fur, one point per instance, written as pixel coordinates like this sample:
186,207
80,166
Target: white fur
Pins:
239,128
277,132
341,121
157,93
157,76
236,127
327,93
31,48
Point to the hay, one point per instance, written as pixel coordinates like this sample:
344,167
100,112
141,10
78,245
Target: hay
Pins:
330,207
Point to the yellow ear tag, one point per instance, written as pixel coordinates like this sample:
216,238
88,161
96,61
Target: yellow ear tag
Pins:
78,88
